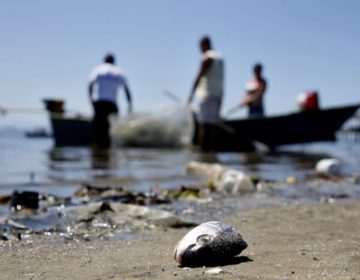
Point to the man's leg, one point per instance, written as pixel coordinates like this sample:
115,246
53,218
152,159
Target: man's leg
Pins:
101,124
207,137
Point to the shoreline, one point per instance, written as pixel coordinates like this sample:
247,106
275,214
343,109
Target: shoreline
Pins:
320,241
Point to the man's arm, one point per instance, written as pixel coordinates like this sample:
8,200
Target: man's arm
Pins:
205,66
92,81
128,98
255,96
91,91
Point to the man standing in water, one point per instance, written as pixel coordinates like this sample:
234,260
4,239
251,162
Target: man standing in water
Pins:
108,78
209,86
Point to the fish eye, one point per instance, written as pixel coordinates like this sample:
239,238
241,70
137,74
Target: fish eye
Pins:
203,239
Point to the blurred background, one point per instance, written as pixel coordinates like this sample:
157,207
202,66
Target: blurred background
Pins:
49,48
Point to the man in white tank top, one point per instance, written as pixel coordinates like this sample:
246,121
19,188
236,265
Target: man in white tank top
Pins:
209,88
108,78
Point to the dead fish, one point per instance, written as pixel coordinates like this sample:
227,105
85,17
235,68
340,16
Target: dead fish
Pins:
209,243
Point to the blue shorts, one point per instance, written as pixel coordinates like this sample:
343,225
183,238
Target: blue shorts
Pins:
256,110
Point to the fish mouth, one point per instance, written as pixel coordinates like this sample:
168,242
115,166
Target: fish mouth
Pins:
178,257
175,255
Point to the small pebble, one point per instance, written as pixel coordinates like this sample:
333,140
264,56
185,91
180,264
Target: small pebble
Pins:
291,180
213,271
189,211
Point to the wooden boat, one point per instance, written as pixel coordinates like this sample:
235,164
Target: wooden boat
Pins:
70,131
232,135
294,128
37,133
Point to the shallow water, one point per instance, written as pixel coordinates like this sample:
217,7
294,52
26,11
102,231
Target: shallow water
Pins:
34,164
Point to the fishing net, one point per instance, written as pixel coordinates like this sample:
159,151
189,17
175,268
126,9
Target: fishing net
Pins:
169,128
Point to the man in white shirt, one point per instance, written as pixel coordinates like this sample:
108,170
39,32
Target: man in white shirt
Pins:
108,78
209,88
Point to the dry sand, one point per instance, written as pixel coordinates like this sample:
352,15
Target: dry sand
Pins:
286,242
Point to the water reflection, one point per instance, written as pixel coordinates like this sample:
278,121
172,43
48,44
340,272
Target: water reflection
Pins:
65,154
104,158
104,163
142,168
207,157
81,163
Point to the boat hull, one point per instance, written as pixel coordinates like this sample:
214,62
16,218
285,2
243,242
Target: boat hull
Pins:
295,128
71,131
234,135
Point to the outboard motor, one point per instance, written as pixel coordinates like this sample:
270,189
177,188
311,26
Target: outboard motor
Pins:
308,101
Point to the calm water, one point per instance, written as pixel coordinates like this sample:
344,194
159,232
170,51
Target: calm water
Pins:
34,164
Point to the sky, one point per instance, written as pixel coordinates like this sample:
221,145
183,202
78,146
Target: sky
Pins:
48,49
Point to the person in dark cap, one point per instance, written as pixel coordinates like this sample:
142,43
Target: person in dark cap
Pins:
108,78
209,88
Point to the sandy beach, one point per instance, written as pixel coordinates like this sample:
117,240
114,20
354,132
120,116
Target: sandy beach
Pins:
285,242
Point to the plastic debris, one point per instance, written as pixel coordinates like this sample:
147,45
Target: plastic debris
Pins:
222,178
328,166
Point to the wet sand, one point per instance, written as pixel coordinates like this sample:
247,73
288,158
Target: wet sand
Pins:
285,242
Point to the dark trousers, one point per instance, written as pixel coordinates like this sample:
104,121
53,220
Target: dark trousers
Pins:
101,125
256,110
207,133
